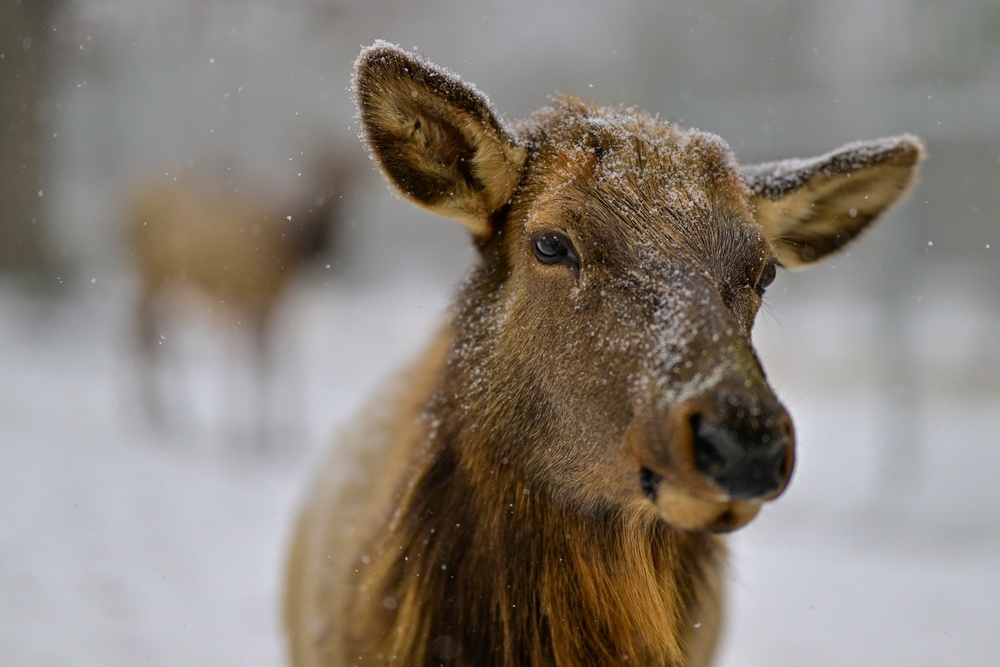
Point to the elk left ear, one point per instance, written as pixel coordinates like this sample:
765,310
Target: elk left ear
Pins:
435,137
811,208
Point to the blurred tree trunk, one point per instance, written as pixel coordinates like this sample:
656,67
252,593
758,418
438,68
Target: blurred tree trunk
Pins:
25,75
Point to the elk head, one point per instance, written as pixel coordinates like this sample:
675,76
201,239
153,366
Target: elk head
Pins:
601,346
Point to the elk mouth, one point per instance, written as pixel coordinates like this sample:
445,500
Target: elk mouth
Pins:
710,462
683,509
650,482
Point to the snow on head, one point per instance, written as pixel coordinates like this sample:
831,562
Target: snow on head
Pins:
637,158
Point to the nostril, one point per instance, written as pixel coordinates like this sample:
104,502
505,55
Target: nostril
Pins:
713,449
784,467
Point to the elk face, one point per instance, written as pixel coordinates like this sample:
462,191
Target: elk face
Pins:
636,270
604,338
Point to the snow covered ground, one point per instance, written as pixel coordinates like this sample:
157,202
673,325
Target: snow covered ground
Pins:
120,546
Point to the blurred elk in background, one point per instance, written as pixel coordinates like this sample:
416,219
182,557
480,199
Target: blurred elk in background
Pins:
231,252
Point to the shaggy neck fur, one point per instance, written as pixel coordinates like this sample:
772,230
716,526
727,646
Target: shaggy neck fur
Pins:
479,574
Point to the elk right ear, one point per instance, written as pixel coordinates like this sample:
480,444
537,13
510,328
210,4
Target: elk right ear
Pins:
435,137
811,208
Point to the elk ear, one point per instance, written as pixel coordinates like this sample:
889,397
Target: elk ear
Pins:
435,137
811,208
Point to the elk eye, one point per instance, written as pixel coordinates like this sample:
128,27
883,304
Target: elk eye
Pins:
767,277
555,248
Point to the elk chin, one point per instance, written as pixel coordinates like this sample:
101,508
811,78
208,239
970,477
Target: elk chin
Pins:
686,511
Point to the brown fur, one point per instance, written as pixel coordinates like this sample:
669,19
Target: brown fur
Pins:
193,237
545,485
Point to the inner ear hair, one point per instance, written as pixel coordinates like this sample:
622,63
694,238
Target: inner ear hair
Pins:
435,137
812,208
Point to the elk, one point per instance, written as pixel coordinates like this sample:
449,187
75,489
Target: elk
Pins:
194,236
548,483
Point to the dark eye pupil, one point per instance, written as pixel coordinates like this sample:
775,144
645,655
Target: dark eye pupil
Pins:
550,247
555,248
767,277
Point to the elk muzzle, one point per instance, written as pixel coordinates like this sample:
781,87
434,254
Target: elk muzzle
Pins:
711,460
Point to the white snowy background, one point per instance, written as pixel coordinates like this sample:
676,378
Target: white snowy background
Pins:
122,545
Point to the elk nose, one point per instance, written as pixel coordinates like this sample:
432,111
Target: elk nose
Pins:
746,454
